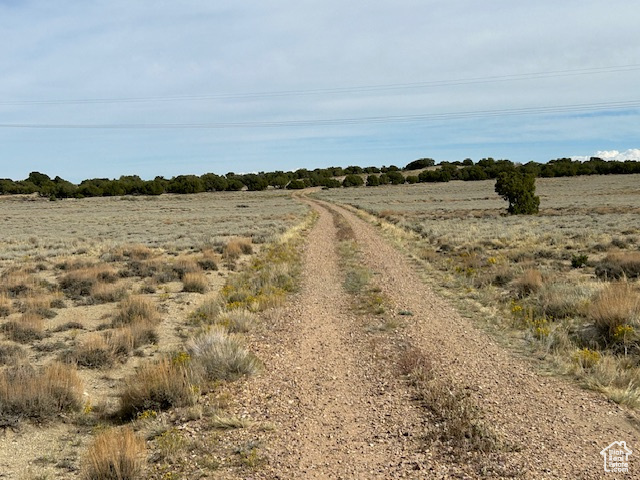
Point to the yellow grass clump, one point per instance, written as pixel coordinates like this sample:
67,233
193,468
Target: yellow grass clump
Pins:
115,454
194,282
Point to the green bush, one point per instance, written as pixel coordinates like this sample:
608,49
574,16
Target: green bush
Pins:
519,190
352,181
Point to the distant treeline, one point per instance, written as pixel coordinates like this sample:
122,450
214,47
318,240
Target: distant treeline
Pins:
422,170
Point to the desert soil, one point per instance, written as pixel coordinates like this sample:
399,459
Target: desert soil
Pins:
341,410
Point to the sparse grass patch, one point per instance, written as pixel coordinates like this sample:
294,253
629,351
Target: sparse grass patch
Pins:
115,454
457,420
42,394
221,355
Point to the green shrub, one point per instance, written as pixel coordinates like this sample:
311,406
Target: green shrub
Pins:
519,190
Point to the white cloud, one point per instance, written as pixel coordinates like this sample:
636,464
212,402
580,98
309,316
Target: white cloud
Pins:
630,154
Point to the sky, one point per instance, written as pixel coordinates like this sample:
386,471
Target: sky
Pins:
92,89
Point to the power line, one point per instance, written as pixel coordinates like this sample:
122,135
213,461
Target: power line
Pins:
547,110
335,91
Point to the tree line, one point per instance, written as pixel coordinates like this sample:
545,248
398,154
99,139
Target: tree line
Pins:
417,171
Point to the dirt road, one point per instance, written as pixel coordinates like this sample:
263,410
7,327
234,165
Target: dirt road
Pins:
340,409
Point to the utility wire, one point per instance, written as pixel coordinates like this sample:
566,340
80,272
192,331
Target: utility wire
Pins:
362,89
547,110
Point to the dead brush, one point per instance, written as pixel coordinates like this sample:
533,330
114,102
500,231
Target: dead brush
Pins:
78,283
136,309
19,283
115,454
619,265
40,394
616,307
93,351
28,328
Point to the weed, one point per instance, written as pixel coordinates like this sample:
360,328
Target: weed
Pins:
586,359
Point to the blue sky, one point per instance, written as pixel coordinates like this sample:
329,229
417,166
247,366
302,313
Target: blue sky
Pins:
268,85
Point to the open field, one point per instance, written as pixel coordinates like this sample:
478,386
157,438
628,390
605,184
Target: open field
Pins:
541,278
270,335
97,295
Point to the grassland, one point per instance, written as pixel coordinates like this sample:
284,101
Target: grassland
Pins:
110,313
561,286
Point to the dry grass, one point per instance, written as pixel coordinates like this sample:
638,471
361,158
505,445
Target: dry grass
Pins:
195,282
617,306
106,293
527,283
158,385
222,356
115,454
136,309
40,395
236,247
